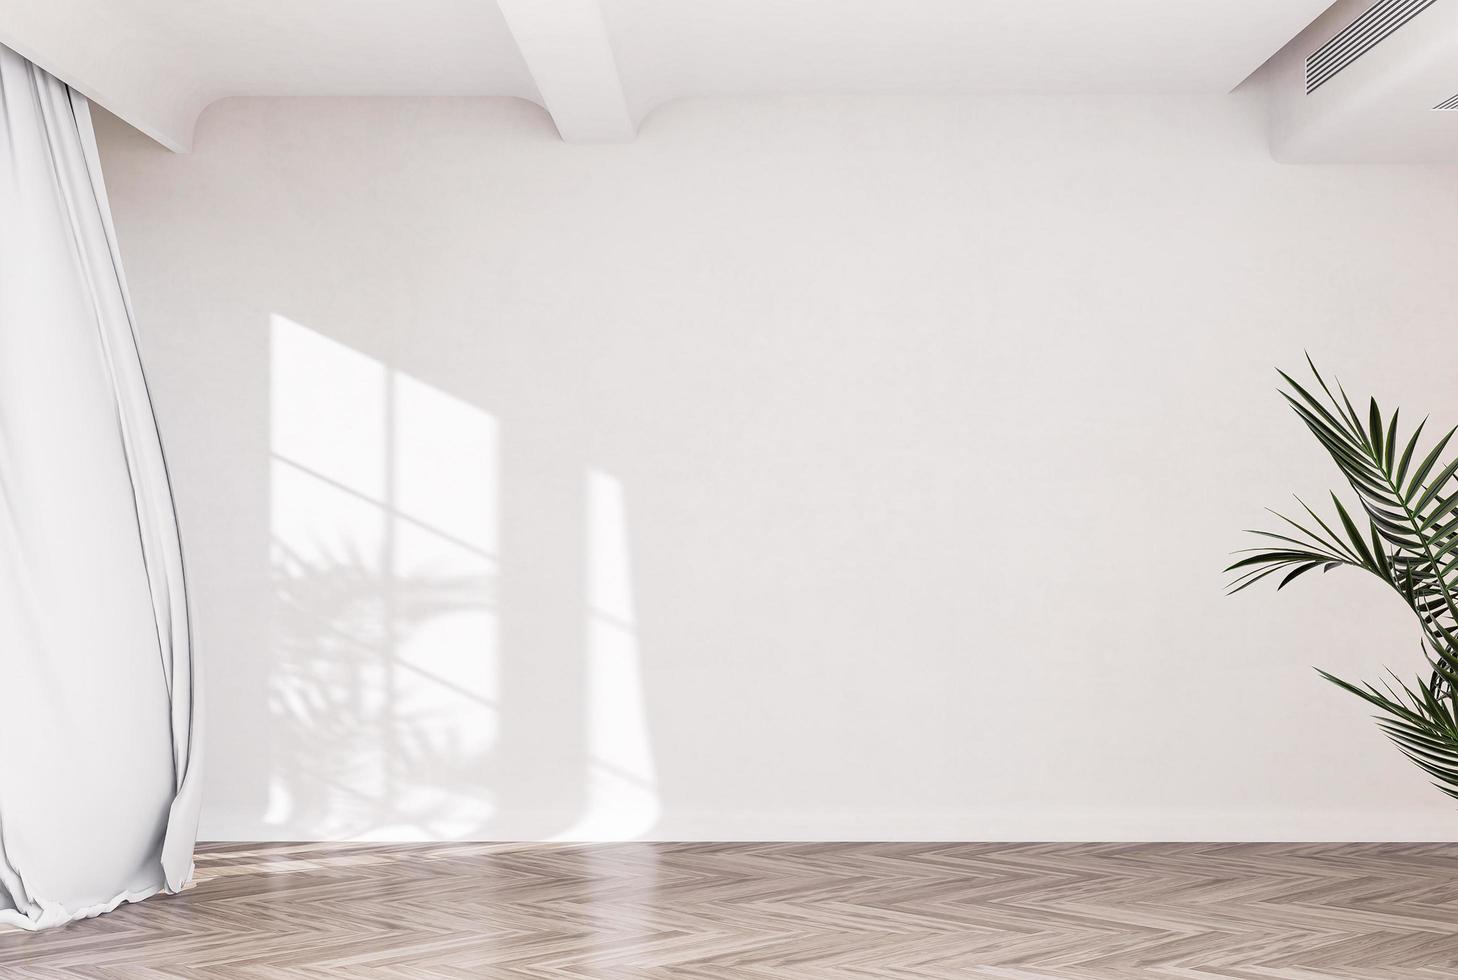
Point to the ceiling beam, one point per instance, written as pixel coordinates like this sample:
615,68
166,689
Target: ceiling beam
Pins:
83,51
566,48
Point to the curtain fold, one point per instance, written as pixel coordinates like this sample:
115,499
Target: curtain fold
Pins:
99,746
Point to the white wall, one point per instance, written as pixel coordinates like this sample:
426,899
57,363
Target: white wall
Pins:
808,468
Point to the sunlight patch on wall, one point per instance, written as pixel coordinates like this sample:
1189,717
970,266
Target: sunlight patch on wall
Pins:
621,800
384,556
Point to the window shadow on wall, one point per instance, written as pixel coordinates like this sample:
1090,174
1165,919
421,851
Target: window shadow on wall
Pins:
392,676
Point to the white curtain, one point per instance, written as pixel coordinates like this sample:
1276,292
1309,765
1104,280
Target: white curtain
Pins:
99,750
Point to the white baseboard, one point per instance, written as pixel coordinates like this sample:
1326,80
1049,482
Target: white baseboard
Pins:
1439,824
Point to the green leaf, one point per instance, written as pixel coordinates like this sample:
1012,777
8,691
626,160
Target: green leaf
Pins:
1296,573
1407,453
1374,420
1311,400
1359,545
1381,556
1332,534
1435,486
1391,441
1416,482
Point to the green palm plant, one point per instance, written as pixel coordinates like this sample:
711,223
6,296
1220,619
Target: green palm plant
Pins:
1405,532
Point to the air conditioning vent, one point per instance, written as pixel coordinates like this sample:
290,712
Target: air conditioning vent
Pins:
1357,38
1448,105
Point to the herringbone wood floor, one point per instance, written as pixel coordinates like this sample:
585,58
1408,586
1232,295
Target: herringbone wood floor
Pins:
801,911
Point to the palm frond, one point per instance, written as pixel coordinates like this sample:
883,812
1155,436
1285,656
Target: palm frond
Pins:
1404,530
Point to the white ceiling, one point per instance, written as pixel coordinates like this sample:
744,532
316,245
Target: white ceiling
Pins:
717,47
601,65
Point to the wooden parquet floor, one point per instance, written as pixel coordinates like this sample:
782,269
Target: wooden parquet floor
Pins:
758,911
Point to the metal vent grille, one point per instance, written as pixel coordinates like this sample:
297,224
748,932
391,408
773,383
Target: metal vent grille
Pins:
1360,36
1448,104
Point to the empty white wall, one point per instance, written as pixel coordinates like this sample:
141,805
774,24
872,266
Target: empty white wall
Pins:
808,468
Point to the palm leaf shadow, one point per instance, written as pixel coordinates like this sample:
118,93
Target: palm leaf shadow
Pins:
345,740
